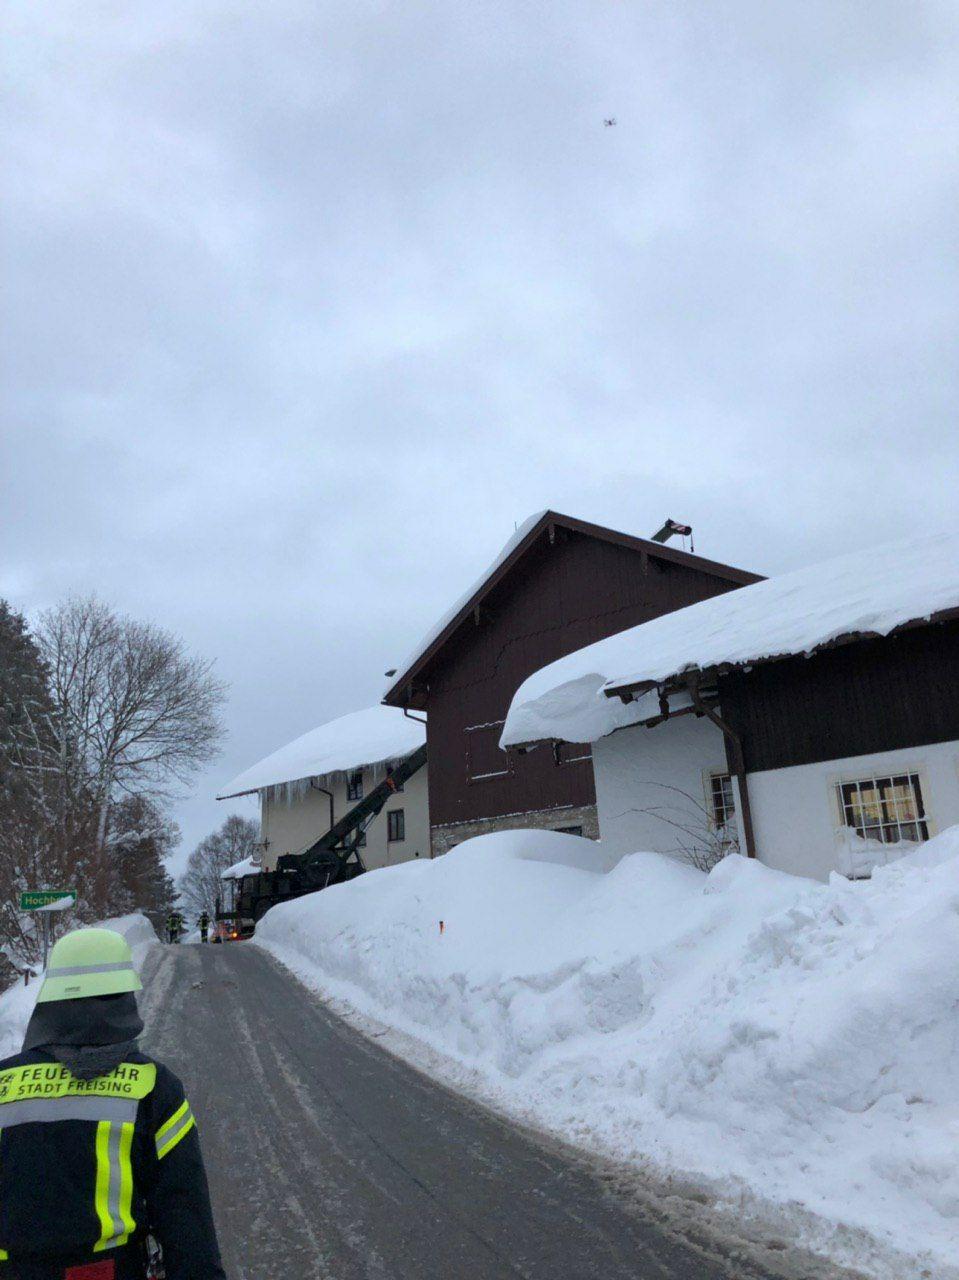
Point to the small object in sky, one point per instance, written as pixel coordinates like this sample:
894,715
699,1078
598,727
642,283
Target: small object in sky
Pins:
609,121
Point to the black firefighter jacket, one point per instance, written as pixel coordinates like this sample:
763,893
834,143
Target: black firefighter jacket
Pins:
90,1166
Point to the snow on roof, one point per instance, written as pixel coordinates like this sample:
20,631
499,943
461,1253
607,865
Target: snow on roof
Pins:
248,867
361,738
439,627
871,591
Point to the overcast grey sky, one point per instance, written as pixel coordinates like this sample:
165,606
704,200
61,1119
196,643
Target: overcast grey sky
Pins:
308,303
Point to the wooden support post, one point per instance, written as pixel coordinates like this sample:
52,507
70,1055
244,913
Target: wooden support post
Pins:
739,767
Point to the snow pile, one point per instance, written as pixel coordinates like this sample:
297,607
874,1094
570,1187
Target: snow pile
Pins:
369,737
865,591
16,1004
790,1044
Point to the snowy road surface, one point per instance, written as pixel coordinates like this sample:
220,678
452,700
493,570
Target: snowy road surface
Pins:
331,1159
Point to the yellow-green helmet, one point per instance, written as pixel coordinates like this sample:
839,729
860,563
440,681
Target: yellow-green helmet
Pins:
89,962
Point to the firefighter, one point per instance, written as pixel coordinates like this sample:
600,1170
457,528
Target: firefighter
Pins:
172,927
204,923
100,1149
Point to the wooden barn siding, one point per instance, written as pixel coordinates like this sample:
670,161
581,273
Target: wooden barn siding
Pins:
874,695
559,598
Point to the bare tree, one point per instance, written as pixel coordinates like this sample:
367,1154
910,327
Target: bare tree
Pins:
133,713
699,840
142,838
201,884
102,720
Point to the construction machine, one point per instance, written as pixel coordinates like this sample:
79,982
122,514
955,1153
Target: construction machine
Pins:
332,859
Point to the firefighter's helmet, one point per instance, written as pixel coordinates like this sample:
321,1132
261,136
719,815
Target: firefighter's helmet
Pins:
89,962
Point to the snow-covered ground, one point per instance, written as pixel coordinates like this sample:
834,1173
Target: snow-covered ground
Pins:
16,1004
792,1046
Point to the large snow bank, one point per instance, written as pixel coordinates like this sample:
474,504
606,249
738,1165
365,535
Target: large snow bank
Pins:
368,737
783,1041
864,591
16,1004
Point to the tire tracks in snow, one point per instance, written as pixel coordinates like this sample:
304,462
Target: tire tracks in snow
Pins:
331,1159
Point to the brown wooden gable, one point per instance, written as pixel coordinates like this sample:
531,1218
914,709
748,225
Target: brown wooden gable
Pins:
566,591
409,688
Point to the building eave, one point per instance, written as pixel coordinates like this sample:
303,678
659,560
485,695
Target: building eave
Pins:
629,691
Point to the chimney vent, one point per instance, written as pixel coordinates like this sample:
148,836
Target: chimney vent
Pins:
673,528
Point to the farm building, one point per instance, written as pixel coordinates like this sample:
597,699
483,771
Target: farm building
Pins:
315,780
558,584
811,720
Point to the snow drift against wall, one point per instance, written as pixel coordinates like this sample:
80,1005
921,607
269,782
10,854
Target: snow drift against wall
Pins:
783,1041
865,591
368,737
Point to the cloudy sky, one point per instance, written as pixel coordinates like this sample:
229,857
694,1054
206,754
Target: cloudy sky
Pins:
308,303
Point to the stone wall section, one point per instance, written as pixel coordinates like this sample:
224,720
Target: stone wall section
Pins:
444,838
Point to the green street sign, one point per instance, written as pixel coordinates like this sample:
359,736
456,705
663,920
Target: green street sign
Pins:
34,899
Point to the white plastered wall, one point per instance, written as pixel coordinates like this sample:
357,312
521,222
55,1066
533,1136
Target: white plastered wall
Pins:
651,784
797,823
796,816
292,819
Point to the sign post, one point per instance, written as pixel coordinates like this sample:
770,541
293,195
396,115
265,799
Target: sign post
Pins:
45,901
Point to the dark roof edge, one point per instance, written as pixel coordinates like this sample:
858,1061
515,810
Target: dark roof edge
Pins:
394,696
630,689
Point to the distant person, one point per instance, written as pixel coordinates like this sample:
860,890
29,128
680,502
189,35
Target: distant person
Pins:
204,923
172,927
99,1146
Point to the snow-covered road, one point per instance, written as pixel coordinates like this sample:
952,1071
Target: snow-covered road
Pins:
329,1157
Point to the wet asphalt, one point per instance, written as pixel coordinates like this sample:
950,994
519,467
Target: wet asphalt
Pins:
331,1159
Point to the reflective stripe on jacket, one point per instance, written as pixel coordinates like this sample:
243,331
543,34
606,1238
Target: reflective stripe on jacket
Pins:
86,1166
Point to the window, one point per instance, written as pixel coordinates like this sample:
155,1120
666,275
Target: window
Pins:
395,825
885,809
722,802
354,785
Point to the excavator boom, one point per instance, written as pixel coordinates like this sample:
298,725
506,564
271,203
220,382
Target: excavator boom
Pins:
331,859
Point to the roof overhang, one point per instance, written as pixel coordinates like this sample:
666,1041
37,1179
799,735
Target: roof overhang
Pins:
311,777
694,677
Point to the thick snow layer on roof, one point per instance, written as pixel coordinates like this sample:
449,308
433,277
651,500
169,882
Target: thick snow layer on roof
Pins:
361,738
248,867
789,1044
869,591
439,627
